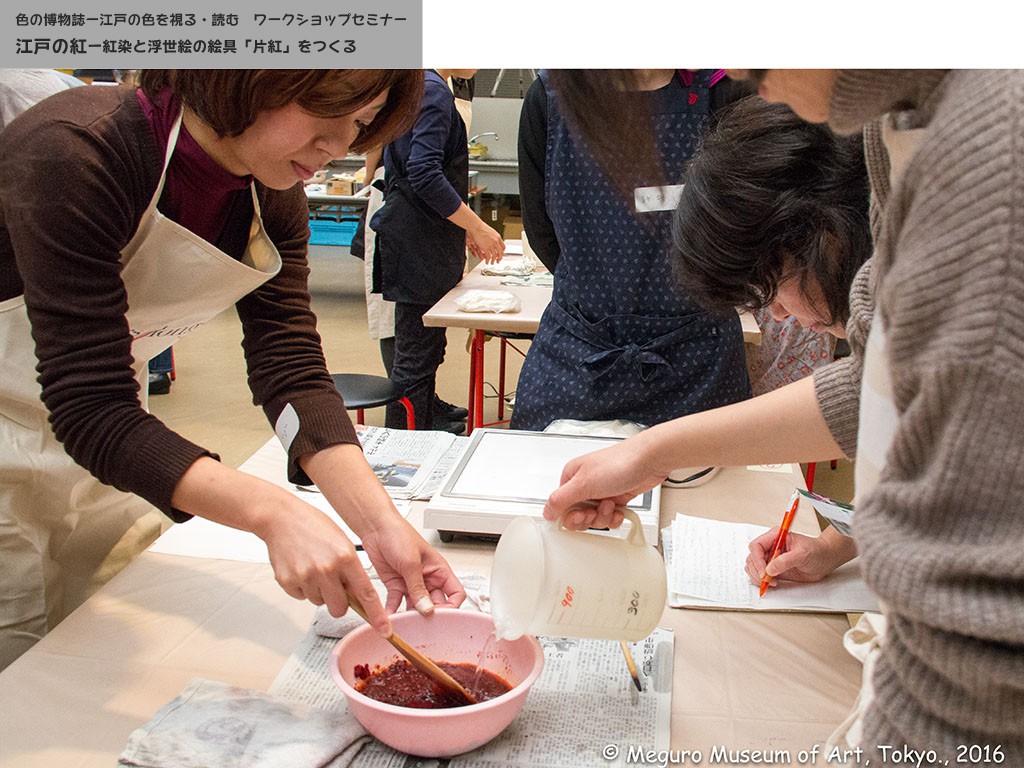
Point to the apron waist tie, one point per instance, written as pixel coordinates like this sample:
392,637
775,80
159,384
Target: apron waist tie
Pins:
648,364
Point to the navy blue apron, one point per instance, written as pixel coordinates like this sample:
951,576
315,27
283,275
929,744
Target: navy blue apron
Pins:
420,255
620,340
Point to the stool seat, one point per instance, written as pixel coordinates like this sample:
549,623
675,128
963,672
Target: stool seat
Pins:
363,390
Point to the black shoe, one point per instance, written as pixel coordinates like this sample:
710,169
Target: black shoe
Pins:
447,412
159,383
455,427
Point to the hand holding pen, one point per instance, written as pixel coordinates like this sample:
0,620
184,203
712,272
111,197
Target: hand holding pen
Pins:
799,558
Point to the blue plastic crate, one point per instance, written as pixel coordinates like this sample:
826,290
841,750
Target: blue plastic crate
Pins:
328,232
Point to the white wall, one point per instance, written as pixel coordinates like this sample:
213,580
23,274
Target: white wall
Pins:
502,117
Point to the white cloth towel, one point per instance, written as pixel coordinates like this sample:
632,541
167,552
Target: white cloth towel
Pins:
214,724
479,300
613,428
513,267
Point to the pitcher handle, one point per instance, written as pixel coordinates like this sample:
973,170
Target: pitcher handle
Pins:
636,530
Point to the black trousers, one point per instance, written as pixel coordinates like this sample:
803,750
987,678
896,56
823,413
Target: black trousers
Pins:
387,354
419,352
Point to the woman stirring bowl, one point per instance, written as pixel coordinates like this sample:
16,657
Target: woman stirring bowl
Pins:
178,200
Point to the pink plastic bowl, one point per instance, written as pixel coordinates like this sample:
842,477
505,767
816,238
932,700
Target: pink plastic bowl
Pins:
450,635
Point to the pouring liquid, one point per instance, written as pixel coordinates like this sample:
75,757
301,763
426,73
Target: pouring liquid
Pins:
479,671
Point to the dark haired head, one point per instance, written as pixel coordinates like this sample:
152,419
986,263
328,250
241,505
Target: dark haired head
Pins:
228,100
770,197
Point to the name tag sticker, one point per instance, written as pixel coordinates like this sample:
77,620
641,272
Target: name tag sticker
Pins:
651,199
287,426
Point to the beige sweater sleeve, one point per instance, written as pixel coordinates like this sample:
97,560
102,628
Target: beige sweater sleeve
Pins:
837,386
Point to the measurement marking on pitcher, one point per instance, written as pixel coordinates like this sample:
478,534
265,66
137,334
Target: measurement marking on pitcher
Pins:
634,604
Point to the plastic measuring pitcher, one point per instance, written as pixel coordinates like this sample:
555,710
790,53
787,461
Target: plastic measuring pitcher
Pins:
547,580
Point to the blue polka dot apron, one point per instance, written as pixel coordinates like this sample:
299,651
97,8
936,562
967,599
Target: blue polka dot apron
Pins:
620,340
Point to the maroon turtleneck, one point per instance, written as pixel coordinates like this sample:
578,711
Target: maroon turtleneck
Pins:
198,193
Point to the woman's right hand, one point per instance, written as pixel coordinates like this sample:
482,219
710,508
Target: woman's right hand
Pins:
314,560
596,486
311,556
485,243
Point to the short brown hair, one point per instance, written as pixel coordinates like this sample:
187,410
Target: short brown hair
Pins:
229,100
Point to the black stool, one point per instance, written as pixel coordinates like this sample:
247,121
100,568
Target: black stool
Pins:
362,391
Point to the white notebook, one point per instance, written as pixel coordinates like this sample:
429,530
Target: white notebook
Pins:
705,561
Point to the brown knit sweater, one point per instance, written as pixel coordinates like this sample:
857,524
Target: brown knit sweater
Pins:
942,535
76,175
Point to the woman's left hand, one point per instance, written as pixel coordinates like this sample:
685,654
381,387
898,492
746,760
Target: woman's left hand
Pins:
404,561
410,568
483,240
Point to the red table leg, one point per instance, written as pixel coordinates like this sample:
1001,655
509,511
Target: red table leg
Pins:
476,383
470,400
501,381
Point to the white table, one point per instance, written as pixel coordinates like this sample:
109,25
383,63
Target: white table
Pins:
742,680
446,313
336,205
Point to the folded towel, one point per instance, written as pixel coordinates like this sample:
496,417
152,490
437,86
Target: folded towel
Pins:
214,724
518,267
479,300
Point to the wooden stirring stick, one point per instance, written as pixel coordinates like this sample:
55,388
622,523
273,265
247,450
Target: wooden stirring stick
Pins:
417,659
631,664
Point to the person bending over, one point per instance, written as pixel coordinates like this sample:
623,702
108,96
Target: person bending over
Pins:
184,198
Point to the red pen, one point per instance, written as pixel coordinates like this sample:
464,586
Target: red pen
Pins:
780,540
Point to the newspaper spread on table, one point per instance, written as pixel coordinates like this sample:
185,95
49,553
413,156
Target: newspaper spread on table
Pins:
412,464
583,702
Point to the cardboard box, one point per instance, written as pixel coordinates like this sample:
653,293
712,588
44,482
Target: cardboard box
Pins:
512,228
340,186
494,214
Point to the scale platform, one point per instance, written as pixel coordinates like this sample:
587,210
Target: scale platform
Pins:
506,473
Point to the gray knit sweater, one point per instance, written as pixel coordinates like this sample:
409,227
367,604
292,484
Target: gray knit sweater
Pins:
942,535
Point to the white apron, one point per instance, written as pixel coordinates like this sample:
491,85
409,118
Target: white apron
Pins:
380,314
60,526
